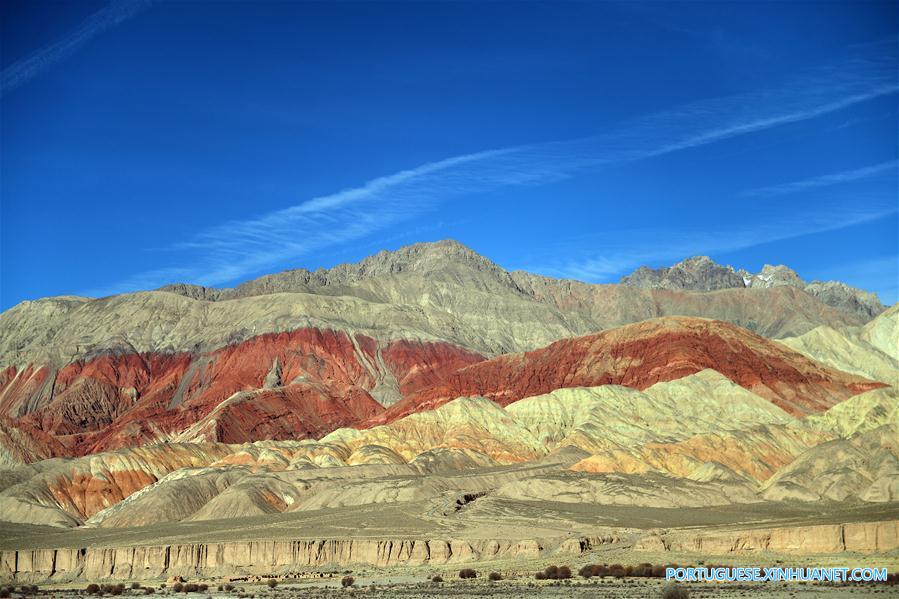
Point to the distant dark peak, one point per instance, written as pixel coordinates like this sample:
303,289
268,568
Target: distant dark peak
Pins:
701,273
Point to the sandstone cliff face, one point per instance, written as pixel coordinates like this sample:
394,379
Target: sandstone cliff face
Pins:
279,557
255,557
861,537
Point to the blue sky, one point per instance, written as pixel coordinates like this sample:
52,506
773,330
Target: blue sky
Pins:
146,143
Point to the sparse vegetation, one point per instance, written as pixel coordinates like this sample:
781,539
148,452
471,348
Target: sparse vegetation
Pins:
178,587
675,591
556,573
191,587
347,581
135,585
110,589
467,573
494,576
272,583
92,589
437,578
4,592
229,587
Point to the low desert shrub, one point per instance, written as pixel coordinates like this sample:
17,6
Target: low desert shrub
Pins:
191,587
4,592
229,587
675,591
551,572
203,587
437,578
92,589
586,571
540,575
347,581
467,573
149,590
178,587
135,585
494,576
564,572
272,583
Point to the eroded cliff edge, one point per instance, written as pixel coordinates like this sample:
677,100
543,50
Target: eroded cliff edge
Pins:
266,557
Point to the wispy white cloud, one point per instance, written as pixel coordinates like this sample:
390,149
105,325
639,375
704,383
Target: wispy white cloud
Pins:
613,253
891,166
22,71
232,250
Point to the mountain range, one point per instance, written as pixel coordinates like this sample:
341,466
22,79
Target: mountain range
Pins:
431,372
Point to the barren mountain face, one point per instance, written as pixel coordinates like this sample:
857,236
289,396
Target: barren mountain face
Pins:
429,385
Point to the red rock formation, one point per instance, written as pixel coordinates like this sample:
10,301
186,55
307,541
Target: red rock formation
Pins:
642,354
291,385
19,389
417,365
307,382
21,443
301,411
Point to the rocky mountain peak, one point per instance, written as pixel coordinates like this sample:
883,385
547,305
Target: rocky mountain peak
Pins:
420,257
446,257
698,273
701,273
775,276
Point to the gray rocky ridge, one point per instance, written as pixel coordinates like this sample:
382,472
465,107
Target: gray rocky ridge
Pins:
701,273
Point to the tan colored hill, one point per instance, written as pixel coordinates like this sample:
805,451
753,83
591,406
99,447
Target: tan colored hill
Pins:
883,333
862,467
846,351
756,451
871,351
